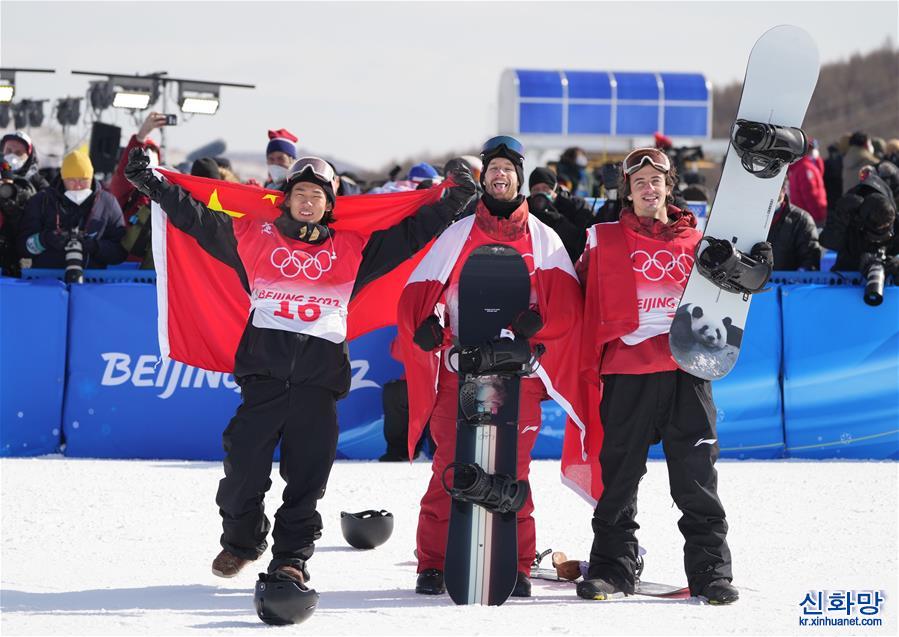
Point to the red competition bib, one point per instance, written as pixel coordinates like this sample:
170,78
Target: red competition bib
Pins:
297,286
661,269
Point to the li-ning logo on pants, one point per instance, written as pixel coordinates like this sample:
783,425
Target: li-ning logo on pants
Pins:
291,264
664,262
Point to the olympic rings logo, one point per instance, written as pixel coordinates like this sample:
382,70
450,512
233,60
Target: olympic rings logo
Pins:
291,264
663,263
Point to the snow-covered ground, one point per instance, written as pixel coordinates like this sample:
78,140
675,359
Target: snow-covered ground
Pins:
124,547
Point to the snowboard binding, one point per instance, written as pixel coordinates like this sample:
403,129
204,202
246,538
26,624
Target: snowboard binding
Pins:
764,149
732,270
495,492
497,356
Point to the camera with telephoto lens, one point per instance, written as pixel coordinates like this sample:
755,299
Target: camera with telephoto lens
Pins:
74,257
872,265
15,193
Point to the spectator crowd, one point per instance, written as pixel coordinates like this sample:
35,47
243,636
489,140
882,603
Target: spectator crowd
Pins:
844,202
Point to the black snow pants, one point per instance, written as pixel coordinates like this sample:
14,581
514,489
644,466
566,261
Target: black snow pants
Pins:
637,411
304,420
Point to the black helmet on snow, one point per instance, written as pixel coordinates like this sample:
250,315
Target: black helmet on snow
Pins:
282,600
366,529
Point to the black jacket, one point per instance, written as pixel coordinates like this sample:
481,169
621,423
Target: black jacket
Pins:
794,239
300,359
843,230
99,217
568,216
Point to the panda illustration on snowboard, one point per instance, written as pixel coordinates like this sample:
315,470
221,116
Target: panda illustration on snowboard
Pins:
710,340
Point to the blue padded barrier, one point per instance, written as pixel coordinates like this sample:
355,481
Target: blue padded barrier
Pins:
33,320
841,373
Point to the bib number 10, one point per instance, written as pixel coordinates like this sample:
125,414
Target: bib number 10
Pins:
307,312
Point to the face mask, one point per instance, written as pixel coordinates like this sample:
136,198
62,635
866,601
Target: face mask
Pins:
79,196
276,172
581,161
154,158
15,161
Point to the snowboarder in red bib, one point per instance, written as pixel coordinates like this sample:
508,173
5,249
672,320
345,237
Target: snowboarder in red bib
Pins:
634,272
553,320
292,362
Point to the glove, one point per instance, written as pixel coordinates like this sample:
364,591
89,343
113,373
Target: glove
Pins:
89,244
891,266
54,240
527,323
429,335
542,204
763,253
463,188
137,172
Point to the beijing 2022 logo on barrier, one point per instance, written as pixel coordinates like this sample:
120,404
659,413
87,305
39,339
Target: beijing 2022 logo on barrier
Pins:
663,262
292,263
170,375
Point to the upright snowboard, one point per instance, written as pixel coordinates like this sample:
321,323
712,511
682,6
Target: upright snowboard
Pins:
781,75
482,547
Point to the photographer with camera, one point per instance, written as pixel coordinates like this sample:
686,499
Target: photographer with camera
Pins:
74,214
862,229
19,181
569,216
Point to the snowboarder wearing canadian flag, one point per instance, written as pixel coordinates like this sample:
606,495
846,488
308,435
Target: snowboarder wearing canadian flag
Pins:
553,321
634,271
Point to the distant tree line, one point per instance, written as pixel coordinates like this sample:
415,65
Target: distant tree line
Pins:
859,94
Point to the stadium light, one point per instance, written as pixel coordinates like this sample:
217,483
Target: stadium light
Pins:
7,86
68,110
135,93
8,81
28,113
197,97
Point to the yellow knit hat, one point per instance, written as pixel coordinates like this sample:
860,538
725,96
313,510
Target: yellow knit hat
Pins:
77,165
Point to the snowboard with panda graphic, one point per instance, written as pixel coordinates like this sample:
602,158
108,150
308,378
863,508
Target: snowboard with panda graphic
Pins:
708,325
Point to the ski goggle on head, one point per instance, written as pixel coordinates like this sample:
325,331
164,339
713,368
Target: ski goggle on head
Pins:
494,146
319,168
646,157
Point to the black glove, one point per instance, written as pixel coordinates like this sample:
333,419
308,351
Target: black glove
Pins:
138,173
54,240
763,253
429,335
89,244
891,265
464,187
540,203
527,323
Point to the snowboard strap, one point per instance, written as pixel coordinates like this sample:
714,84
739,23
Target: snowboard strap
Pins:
730,269
498,493
764,149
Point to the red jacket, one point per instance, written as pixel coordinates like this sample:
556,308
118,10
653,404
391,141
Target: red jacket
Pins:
807,191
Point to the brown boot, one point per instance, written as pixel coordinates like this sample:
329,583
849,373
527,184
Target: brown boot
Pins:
292,572
566,569
227,564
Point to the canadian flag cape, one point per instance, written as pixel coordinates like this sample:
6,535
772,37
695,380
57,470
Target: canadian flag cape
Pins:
560,305
203,307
